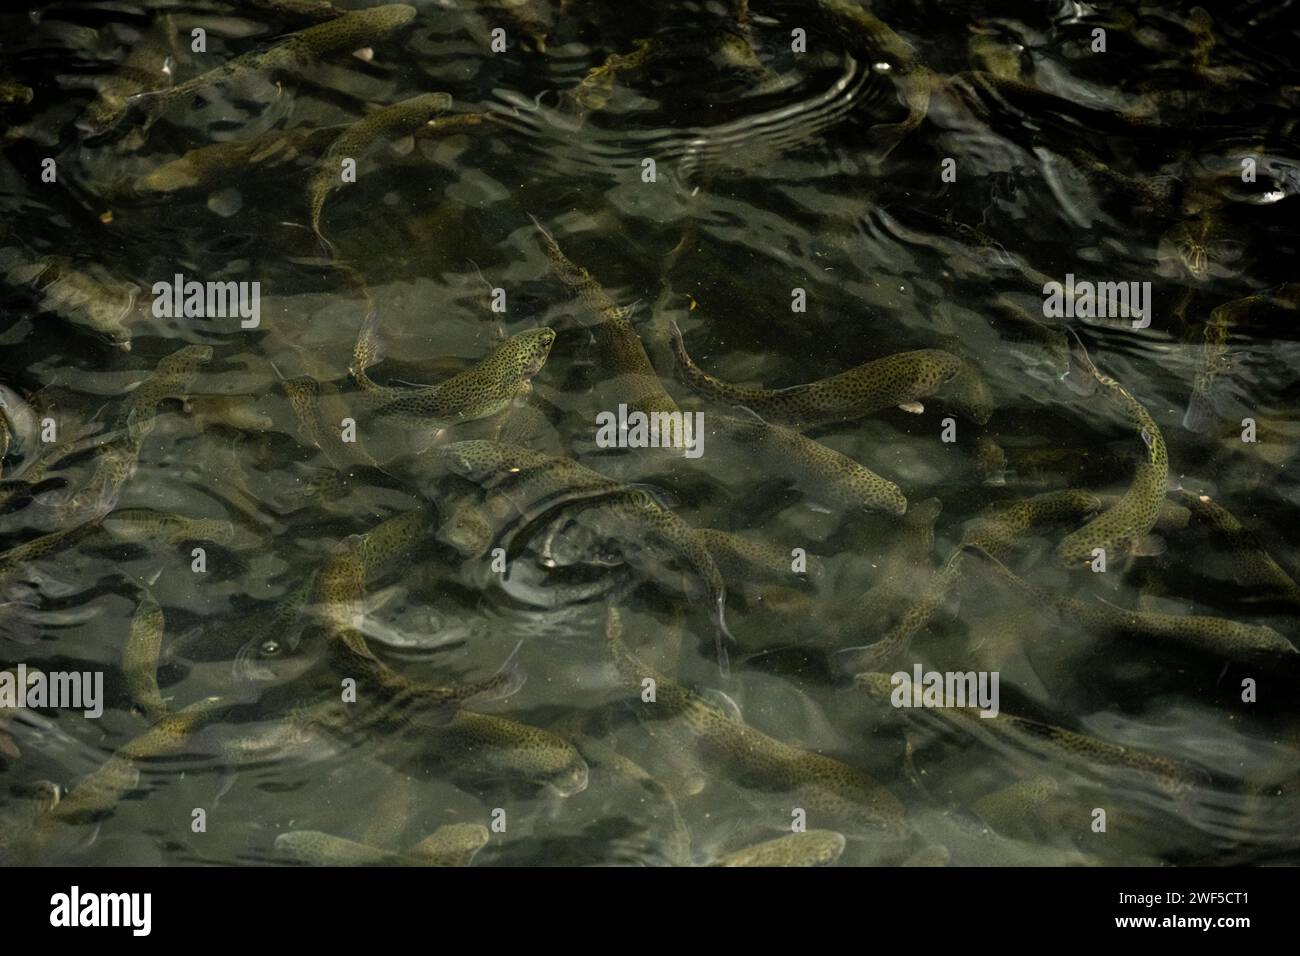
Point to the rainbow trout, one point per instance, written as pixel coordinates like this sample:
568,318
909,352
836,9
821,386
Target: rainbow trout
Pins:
1252,565
1052,743
829,478
140,658
455,844
391,122
218,164
475,746
623,354
1214,635
826,788
352,31
149,66
533,484
88,297
897,380
483,390
809,848
1121,528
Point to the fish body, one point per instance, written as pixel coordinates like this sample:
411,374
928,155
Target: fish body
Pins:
828,789
743,558
140,658
400,119
482,391
150,65
829,477
145,526
622,352
809,848
476,746
893,381
1120,528
219,164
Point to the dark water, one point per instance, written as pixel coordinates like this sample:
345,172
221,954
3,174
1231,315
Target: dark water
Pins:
822,170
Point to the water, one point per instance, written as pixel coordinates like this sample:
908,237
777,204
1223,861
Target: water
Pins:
774,170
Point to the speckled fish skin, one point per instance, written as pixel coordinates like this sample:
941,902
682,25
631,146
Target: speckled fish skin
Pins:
145,526
895,577
150,65
13,560
534,483
888,382
171,379
314,848
1252,564
631,374
317,11
1171,776
595,89
477,393
352,31
1010,809
140,658
1001,526
829,790
743,558
85,295
98,793
475,746
221,164
1231,640
829,477
400,119
452,844
18,818
810,848
1121,527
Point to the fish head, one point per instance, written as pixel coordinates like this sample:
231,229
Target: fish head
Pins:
572,779
474,459
531,349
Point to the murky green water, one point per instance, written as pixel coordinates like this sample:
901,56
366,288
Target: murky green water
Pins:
801,189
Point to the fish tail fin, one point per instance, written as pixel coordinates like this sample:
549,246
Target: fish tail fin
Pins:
1082,376
367,351
510,676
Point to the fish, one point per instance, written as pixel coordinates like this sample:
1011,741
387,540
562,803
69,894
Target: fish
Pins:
230,411
352,31
18,818
1011,810
145,526
475,746
828,478
390,122
1173,777
219,164
742,558
18,430
451,845
172,378
1217,636
826,788
140,658
150,65
533,18
317,11
594,90
534,483
88,296
1252,565
483,390
16,559
622,352
1122,527
809,848
895,381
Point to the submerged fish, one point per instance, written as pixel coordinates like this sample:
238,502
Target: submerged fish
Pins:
741,558
595,89
451,845
1252,566
1214,635
400,119
86,296
827,789
534,483
149,66
477,393
145,526
140,658
219,164
352,31
1174,777
633,377
1122,527
475,747
809,848
829,478
893,381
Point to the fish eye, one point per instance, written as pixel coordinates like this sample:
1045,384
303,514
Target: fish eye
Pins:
270,648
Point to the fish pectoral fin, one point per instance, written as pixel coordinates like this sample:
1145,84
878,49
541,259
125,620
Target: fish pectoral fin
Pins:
1149,546
914,408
